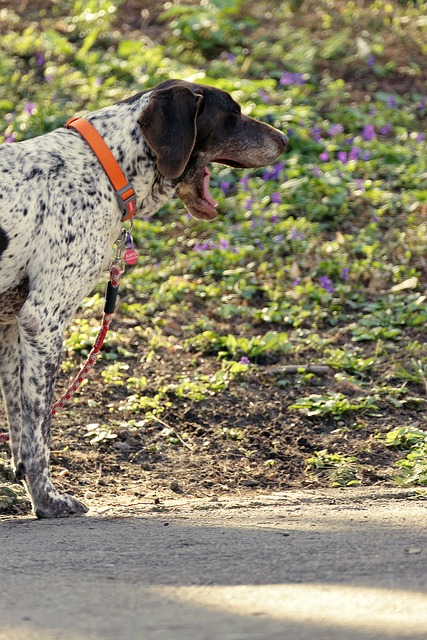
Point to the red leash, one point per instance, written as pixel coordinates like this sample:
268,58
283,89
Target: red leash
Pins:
110,303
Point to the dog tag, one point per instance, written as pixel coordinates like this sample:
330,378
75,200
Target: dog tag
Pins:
130,256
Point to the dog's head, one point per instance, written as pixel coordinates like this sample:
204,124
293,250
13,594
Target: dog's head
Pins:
188,125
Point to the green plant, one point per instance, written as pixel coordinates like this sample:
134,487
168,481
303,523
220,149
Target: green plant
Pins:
234,347
413,468
203,385
99,432
341,470
209,25
405,437
230,433
150,406
114,374
334,404
415,371
352,362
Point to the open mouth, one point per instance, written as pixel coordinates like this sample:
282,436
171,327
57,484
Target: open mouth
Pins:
206,193
196,196
195,192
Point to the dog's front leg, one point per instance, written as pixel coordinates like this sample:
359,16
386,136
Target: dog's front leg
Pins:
40,347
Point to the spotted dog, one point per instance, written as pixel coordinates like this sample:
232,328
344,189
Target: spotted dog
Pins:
59,219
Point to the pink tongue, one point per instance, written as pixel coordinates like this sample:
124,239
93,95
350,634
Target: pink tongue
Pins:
206,195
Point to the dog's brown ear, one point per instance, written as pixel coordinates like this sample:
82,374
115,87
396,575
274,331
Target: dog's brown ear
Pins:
168,124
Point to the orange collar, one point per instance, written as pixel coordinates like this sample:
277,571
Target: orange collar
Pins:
125,193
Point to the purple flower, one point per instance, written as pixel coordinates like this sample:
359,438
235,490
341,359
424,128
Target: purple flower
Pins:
335,129
422,103
391,101
371,60
224,244
277,170
420,137
289,78
368,132
385,129
99,81
224,186
274,173
203,246
39,59
345,273
264,95
244,182
316,171
316,133
10,138
354,153
30,108
342,156
244,360
359,184
324,156
277,239
296,282
294,234
276,198
326,284
249,203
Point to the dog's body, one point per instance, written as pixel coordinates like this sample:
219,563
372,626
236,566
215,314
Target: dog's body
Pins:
59,219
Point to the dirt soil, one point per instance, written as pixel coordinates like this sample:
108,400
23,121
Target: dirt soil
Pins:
267,451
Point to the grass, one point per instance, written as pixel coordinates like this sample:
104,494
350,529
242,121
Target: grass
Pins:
319,258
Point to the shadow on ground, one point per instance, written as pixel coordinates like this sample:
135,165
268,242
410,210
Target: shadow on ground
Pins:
287,566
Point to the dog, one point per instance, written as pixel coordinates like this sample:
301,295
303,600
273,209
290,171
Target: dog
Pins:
59,218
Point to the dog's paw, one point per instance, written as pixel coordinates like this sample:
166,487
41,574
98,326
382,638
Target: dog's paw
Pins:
60,506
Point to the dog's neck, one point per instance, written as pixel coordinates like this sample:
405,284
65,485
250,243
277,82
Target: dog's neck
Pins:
120,130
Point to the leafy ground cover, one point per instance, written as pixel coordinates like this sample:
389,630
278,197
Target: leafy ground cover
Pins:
283,344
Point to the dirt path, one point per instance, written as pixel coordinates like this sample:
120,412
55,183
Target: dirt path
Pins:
347,565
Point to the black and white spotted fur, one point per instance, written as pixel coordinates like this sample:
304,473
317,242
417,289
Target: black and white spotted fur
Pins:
59,219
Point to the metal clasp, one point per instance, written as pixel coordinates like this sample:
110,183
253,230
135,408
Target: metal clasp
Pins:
124,241
127,205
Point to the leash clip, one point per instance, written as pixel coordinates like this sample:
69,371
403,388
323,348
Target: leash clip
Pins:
125,248
126,199
120,245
